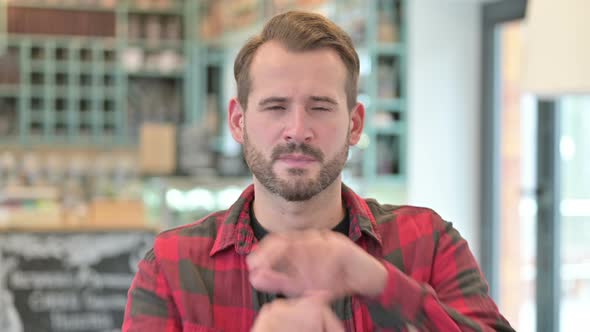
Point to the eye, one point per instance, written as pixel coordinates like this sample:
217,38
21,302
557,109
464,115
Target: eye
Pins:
275,108
321,109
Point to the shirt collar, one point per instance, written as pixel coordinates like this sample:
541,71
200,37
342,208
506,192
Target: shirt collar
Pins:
235,226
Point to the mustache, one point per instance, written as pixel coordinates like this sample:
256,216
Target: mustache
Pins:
302,148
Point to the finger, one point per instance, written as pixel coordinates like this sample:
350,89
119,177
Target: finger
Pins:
270,252
331,322
321,296
274,282
267,319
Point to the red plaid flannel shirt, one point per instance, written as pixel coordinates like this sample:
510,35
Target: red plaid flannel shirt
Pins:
196,279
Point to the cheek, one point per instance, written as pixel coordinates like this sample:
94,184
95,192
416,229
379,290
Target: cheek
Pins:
264,131
336,133
261,138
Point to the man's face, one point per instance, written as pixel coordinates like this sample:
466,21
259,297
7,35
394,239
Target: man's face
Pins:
297,128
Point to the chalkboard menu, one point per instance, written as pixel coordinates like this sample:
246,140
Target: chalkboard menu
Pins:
67,281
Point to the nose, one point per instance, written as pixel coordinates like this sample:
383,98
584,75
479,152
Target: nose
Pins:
298,127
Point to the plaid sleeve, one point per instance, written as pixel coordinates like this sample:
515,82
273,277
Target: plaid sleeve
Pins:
149,305
455,298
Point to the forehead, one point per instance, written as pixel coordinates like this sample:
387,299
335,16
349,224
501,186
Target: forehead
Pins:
275,69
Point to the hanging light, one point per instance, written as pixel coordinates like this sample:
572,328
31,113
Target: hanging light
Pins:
557,48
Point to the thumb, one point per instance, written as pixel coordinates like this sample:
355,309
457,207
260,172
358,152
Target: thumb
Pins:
321,296
331,323
273,282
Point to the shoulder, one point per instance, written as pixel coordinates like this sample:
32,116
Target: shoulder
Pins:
204,227
404,215
406,224
196,237
409,235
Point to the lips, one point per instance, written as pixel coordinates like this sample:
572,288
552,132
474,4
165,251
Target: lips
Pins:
296,161
297,158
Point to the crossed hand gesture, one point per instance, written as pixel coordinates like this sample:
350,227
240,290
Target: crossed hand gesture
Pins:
312,268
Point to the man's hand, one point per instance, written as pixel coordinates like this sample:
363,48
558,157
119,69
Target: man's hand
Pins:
309,314
309,262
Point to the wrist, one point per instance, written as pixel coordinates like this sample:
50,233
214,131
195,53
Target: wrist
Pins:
369,276
376,280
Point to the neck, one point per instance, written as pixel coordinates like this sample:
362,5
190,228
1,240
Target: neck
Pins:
323,211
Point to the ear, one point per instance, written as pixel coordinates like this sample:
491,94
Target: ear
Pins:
236,120
357,123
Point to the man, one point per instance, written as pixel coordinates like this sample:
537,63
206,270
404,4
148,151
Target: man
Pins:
299,251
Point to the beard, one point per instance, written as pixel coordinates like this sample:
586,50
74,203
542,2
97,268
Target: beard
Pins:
297,187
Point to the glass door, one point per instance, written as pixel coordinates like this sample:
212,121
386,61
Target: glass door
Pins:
535,189
575,212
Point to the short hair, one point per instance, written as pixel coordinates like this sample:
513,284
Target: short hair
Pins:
299,31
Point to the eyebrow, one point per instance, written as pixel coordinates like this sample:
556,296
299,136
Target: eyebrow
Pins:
325,99
271,100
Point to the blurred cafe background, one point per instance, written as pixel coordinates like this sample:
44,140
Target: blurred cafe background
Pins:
113,124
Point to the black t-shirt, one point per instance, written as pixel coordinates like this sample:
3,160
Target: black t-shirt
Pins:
260,232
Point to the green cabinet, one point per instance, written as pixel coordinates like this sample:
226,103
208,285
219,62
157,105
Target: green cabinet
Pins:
385,87
91,73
